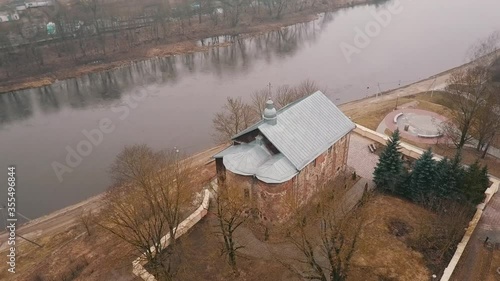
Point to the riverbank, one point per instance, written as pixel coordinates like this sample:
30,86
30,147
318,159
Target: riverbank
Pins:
63,219
179,44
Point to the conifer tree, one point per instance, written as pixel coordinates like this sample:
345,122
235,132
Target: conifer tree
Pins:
445,184
421,183
388,174
476,181
457,177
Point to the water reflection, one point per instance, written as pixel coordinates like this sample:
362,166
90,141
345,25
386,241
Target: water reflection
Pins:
103,88
15,107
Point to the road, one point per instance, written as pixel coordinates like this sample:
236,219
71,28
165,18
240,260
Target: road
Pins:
53,223
433,83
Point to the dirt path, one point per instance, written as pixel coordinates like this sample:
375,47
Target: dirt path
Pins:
432,83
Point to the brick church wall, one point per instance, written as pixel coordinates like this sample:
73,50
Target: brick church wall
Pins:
274,200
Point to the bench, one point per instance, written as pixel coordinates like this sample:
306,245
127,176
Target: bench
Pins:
397,117
438,135
372,148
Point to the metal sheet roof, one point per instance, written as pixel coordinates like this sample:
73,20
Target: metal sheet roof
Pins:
245,159
307,128
304,130
277,169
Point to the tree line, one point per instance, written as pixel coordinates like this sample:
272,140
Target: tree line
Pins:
92,30
429,182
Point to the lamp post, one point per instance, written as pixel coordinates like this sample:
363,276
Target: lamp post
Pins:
397,100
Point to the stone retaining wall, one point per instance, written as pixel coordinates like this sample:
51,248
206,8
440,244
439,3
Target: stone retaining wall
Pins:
184,226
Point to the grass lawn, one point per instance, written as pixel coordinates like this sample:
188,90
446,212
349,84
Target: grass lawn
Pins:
371,116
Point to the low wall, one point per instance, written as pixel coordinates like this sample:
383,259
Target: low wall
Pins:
184,226
407,149
415,152
470,230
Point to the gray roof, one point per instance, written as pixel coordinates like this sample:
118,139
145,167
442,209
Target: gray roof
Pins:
304,130
253,159
277,169
246,158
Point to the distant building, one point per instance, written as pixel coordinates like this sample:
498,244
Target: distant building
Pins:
6,16
35,4
289,152
21,8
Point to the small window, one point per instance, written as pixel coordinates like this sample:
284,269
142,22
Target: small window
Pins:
330,150
247,193
315,162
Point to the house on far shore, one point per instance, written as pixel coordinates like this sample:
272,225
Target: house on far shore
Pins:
288,153
8,16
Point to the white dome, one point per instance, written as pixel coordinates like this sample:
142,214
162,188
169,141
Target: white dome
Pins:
270,115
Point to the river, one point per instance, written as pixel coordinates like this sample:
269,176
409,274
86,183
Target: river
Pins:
169,102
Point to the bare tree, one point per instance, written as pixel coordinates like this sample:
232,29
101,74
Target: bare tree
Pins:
276,7
470,90
259,99
234,9
440,236
326,240
232,211
87,219
153,189
235,117
487,123
95,7
286,94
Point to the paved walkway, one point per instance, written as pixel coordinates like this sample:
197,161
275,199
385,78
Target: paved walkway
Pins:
427,122
476,262
382,126
360,158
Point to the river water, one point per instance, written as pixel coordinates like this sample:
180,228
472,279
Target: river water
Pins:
169,102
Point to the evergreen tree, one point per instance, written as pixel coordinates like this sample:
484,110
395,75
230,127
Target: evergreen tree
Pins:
421,183
476,181
456,176
389,172
449,178
445,184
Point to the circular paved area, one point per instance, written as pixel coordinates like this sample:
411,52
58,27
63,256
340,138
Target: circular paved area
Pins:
419,122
